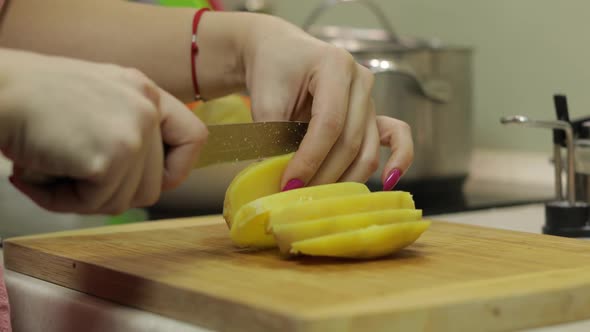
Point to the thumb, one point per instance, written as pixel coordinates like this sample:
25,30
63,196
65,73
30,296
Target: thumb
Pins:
184,135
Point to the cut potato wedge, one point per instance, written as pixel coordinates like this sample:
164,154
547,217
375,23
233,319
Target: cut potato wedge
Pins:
286,234
337,206
370,242
257,180
249,223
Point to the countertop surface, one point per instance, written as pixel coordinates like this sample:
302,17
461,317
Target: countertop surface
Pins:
56,308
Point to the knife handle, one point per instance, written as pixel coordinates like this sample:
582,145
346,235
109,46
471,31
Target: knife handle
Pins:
40,179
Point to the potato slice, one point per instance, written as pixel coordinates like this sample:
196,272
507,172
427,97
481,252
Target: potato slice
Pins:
257,180
370,242
249,223
228,109
286,234
337,206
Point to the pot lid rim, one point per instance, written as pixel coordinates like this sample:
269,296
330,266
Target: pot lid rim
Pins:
373,39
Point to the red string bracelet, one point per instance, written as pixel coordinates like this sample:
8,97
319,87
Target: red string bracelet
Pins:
195,50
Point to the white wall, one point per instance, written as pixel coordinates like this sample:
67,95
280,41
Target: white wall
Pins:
525,51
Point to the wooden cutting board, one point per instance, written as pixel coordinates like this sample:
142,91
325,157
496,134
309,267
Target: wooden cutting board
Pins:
455,278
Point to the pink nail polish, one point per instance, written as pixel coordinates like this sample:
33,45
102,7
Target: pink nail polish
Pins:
293,184
392,179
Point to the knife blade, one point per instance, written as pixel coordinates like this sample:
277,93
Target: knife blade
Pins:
228,143
249,141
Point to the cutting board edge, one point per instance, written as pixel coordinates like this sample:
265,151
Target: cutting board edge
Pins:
255,318
347,320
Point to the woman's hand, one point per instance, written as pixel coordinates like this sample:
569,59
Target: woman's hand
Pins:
293,76
100,125
290,75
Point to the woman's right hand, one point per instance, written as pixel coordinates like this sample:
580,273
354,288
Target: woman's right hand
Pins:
100,125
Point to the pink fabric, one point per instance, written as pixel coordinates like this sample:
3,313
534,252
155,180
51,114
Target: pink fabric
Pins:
5,325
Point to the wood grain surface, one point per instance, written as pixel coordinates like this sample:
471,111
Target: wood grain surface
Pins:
454,278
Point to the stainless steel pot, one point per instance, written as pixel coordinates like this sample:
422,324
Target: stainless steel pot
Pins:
420,81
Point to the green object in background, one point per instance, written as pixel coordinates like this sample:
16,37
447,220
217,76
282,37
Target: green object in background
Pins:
129,216
185,3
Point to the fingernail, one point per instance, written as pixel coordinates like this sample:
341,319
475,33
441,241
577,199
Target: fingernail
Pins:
293,184
392,179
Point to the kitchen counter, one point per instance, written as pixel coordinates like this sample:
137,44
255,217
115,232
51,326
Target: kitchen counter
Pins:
56,308
41,306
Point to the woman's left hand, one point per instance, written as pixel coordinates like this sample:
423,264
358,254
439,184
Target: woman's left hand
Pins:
293,76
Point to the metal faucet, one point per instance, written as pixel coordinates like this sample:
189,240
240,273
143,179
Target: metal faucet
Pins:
570,218
569,134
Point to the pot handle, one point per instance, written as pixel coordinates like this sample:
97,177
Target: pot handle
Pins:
319,10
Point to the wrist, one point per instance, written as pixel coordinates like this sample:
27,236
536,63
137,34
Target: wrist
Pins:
219,62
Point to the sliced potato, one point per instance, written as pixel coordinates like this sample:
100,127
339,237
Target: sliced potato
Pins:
286,234
337,206
257,180
249,223
370,242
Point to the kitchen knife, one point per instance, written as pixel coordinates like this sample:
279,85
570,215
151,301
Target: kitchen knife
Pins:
229,143
249,141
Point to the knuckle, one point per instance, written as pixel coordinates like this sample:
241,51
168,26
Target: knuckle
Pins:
129,144
333,125
343,58
148,115
404,126
352,146
201,135
145,85
309,165
97,166
134,75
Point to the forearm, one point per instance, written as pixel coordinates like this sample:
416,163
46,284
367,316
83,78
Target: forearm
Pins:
152,39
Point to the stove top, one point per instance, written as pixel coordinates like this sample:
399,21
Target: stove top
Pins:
455,194
433,196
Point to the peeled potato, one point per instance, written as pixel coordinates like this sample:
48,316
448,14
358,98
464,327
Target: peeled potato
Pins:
228,109
257,180
286,234
337,206
249,222
370,242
